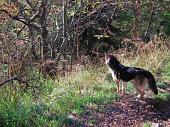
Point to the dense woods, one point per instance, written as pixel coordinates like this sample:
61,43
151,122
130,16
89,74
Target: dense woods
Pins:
37,31
41,39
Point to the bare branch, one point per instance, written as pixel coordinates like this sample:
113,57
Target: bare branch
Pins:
20,20
11,79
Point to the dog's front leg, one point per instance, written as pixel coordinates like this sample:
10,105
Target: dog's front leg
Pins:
118,85
124,88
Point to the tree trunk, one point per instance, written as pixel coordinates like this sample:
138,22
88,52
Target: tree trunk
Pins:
33,50
137,14
65,43
44,31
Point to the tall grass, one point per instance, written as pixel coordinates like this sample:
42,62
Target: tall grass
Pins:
49,102
151,56
46,102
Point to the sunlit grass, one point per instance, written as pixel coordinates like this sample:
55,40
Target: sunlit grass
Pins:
150,59
46,102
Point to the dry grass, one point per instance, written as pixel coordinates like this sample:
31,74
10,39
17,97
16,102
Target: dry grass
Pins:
150,56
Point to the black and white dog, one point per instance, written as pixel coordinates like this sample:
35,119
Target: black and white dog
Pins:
139,77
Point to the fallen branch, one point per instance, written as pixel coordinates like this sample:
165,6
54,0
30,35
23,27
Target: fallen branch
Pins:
11,79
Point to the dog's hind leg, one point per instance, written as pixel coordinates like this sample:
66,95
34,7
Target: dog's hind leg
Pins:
139,86
141,94
139,91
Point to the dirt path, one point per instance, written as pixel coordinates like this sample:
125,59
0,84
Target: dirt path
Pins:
129,111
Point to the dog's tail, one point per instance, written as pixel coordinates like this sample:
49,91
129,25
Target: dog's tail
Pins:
151,82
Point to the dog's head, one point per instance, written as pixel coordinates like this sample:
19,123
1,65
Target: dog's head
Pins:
111,59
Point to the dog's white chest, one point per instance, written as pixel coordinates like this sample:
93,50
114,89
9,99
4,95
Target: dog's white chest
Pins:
111,71
113,74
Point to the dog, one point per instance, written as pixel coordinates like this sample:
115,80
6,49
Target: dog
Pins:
141,78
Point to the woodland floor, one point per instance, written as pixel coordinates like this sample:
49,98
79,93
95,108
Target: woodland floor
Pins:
129,111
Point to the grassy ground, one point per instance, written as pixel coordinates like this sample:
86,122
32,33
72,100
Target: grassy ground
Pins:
53,103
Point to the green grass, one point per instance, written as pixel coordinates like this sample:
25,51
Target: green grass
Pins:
50,103
166,71
165,82
46,102
147,125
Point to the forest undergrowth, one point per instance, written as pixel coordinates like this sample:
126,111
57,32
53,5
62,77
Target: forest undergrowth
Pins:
47,102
